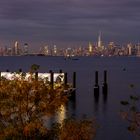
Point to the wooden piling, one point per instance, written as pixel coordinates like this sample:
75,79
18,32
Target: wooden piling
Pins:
20,70
105,85
105,76
51,79
65,79
96,77
73,94
74,79
96,86
60,71
36,76
7,70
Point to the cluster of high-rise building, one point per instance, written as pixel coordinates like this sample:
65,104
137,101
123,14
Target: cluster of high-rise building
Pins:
15,50
92,49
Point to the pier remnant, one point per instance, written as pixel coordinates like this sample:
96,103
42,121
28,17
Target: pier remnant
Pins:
36,76
20,70
60,71
74,79
65,79
96,86
73,93
105,85
7,70
51,79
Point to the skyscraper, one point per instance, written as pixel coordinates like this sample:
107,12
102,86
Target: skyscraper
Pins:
16,49
99,41
25,48
46,50
100,46
90,48
138,49
129,46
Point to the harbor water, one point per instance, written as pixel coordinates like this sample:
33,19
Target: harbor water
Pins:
121,73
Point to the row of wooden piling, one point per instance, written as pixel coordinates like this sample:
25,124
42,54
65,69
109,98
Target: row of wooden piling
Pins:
52,77
65,79
96,85
104,85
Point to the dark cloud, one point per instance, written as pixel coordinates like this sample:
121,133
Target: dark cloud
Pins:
72,21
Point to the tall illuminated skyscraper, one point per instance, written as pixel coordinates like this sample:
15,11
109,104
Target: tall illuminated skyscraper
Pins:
90,48
129,46
138,49
16,49
54,50
25,48
46,50
100,46
99,41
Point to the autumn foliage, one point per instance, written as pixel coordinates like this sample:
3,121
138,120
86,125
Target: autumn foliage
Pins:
77,129
24,104
131,113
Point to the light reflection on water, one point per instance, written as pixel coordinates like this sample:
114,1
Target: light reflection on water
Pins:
66,111
61,114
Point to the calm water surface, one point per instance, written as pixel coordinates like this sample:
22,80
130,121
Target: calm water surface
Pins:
122,71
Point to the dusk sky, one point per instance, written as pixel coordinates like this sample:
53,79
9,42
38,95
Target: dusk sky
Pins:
68,22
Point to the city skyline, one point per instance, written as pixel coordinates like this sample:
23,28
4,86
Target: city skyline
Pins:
72,22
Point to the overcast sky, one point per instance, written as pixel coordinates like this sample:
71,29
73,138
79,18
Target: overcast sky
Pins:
69,22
